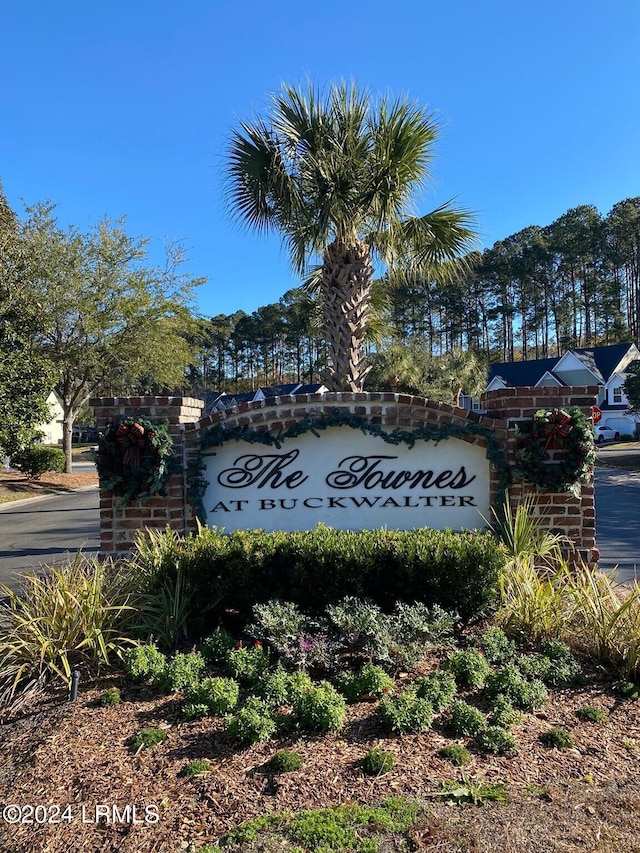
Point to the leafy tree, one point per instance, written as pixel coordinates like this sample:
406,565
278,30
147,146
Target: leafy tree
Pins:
26,376
110,322
337,177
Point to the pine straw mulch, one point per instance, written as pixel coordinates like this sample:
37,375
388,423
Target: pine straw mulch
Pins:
79,754
15,486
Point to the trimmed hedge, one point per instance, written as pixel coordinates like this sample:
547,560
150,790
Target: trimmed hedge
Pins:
314,568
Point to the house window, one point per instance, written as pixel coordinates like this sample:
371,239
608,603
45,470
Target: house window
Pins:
617,394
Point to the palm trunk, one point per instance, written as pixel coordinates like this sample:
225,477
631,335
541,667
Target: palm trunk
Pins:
347,274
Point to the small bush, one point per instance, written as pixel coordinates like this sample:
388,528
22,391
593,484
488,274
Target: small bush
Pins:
495,644
510,682
626,689
556,666
182,673
149,737
439,689
285,761
556,737
370,680
253,723
377,762
320,708
466,720
217,695
275,687
110,697
591,714
299,682
36,460
142,663
215,647
195,710
195,768
497,741
247,663
406,713
469,667
457,754
503,714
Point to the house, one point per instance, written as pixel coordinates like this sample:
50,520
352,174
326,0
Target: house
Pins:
603,366
216,401
52,430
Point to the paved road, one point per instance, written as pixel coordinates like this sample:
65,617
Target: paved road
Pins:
47,530
617,528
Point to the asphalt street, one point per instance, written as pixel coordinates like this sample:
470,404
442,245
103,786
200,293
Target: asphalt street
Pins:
47,531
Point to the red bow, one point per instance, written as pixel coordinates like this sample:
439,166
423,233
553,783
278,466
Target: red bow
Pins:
130,437
557,427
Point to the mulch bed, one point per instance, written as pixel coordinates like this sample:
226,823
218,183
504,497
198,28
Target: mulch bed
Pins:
78,754
15,486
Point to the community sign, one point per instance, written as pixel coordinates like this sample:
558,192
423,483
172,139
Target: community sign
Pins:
346,479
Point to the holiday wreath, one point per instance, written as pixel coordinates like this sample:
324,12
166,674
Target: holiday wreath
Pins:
134,459
567,434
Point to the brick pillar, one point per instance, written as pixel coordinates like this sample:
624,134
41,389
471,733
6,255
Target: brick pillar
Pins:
118,527
558,512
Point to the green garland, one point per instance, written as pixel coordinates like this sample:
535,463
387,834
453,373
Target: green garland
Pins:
567,432
219,434
134,459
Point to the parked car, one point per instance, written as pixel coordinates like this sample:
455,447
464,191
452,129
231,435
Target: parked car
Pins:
605,433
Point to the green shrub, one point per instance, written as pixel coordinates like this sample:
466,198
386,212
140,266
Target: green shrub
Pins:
218,695
458,571
319,708
439,689
406,713
377,762
149,737
195,710
285,761
469,667
455,753
253,723
503,714
496,646
215,647
466,720
497,741
361,627
275,687
142,663
510,682
37,459
110,697
195,768
591,714
556,737
247,663
626,689
182,673
299,682
370,680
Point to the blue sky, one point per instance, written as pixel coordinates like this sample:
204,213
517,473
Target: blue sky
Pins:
123,109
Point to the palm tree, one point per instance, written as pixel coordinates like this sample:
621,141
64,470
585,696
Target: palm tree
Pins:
336,177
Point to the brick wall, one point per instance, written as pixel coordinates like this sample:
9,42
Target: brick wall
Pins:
186,425
575,517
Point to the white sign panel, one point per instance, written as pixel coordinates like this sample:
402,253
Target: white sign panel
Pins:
347,480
